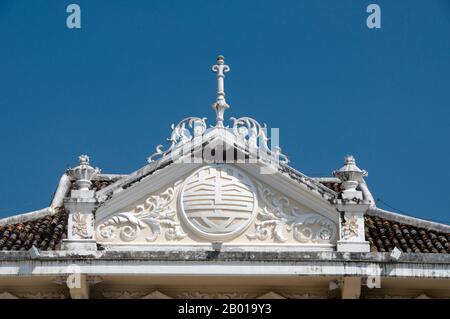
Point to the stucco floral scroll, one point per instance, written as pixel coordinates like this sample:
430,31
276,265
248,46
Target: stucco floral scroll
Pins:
155,214
279,218
80,225
350,228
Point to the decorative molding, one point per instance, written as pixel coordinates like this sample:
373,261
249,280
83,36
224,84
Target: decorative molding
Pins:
214,295
154,214
80,225
280,216
350,229
246,131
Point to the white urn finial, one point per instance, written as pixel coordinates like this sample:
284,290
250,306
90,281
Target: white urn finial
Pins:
83,159
350,175
83,173
220,105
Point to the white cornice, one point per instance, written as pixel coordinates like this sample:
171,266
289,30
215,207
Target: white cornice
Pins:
326,265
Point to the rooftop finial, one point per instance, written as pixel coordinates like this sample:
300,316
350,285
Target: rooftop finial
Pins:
220,105
83,159
83,173
350,175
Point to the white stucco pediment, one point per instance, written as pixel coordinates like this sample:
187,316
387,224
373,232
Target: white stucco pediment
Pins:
197,204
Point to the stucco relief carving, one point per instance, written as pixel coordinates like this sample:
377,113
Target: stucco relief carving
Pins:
183,132
218,202
279,216
80,225
254,135
350,228
155,214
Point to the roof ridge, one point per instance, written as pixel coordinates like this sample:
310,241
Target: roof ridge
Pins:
27,217
405,219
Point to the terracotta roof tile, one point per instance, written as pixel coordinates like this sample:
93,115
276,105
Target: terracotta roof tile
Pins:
45,233
97,184
383,235
102,183
335,186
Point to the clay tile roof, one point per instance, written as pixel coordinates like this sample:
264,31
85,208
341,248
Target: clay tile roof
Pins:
97,184
100,184
335,186
383,235
45,233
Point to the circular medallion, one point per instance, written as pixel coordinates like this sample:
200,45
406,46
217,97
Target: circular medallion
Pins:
218,202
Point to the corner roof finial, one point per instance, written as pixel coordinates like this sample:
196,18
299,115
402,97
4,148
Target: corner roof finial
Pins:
83,173
220,105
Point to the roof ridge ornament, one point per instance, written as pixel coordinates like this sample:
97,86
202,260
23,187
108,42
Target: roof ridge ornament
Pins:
83,173
185,131
220,105
351,176
247,131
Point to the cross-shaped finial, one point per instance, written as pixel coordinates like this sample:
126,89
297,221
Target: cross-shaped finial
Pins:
220,105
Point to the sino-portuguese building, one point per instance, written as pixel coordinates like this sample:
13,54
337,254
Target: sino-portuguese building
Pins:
219,213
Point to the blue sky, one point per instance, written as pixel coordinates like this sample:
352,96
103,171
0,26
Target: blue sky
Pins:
311,68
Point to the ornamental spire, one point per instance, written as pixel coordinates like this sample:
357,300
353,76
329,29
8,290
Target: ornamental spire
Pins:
220,105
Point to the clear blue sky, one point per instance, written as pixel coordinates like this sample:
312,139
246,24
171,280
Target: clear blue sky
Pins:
311,68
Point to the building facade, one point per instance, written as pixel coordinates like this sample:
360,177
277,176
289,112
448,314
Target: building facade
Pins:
220,213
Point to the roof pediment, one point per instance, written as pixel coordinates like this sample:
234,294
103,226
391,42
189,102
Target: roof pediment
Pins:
191,199
218,145
234,145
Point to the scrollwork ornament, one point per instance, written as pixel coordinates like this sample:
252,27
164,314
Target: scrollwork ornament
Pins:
279,217
80,225
254,135
184,131
350,228
154,214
